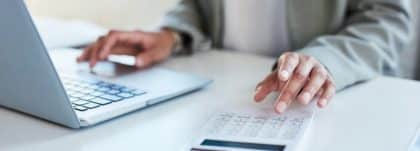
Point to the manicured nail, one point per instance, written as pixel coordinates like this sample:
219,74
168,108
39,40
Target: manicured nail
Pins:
323,102
281,107
305,97
255,94
284,75
257,90
139,63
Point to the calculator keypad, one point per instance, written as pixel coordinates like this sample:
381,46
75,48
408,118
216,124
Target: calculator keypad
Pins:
249,126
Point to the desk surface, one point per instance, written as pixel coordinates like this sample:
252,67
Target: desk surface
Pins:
379,115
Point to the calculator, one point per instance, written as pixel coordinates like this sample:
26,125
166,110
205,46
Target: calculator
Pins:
255,129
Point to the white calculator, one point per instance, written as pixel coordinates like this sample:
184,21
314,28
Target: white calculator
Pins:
255,129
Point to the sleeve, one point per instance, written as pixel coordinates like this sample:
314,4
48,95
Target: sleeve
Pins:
369,44
186,18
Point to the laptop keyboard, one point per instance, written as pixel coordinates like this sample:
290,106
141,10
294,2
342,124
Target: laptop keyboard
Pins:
90,94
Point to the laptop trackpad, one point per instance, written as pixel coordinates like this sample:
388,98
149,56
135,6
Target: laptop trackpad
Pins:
106,69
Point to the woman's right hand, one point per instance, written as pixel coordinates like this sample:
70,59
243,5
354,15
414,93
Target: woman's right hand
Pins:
147,47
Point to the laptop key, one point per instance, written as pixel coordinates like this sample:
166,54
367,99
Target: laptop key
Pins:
78,89
94,87
113,91
111,97
125,95
77,95
80,108
80,102
72,99
103,84
125,89
138,92
87,97
97,93
116,87
100,101
83,85
91,105
103,89
88,90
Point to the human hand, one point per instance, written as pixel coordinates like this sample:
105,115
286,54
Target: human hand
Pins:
297,77
147,47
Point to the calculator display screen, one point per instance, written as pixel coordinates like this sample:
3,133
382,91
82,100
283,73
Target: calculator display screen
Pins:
245,145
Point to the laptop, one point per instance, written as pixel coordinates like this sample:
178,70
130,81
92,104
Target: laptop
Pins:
30,83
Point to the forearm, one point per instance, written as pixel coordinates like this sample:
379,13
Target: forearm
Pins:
369,44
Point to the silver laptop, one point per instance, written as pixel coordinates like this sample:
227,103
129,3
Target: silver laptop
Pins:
30,84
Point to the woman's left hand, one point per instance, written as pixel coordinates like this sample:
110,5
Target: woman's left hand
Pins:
297,77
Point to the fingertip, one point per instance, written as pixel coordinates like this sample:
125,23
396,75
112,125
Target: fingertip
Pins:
140,63
322,103
257,90
257,99
92,64
281,107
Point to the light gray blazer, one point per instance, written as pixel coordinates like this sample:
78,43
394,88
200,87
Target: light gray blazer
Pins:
356,40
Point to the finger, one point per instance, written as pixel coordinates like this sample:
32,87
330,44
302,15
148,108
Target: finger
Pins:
144,59
115,37
317,79
268,85
329,92
288,63
124,50
298,79
93,55
85,54
282,104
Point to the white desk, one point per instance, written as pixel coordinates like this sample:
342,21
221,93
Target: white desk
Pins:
381,115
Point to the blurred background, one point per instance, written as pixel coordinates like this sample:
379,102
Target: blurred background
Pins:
145,14
121,14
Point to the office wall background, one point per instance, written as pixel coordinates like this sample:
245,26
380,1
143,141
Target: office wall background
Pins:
121,14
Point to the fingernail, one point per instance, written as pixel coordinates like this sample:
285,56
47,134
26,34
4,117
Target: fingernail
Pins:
139,63
323,102
257,90
281,107
284,75
305,97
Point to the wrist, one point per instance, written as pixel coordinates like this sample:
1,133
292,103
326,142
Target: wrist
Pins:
174,38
